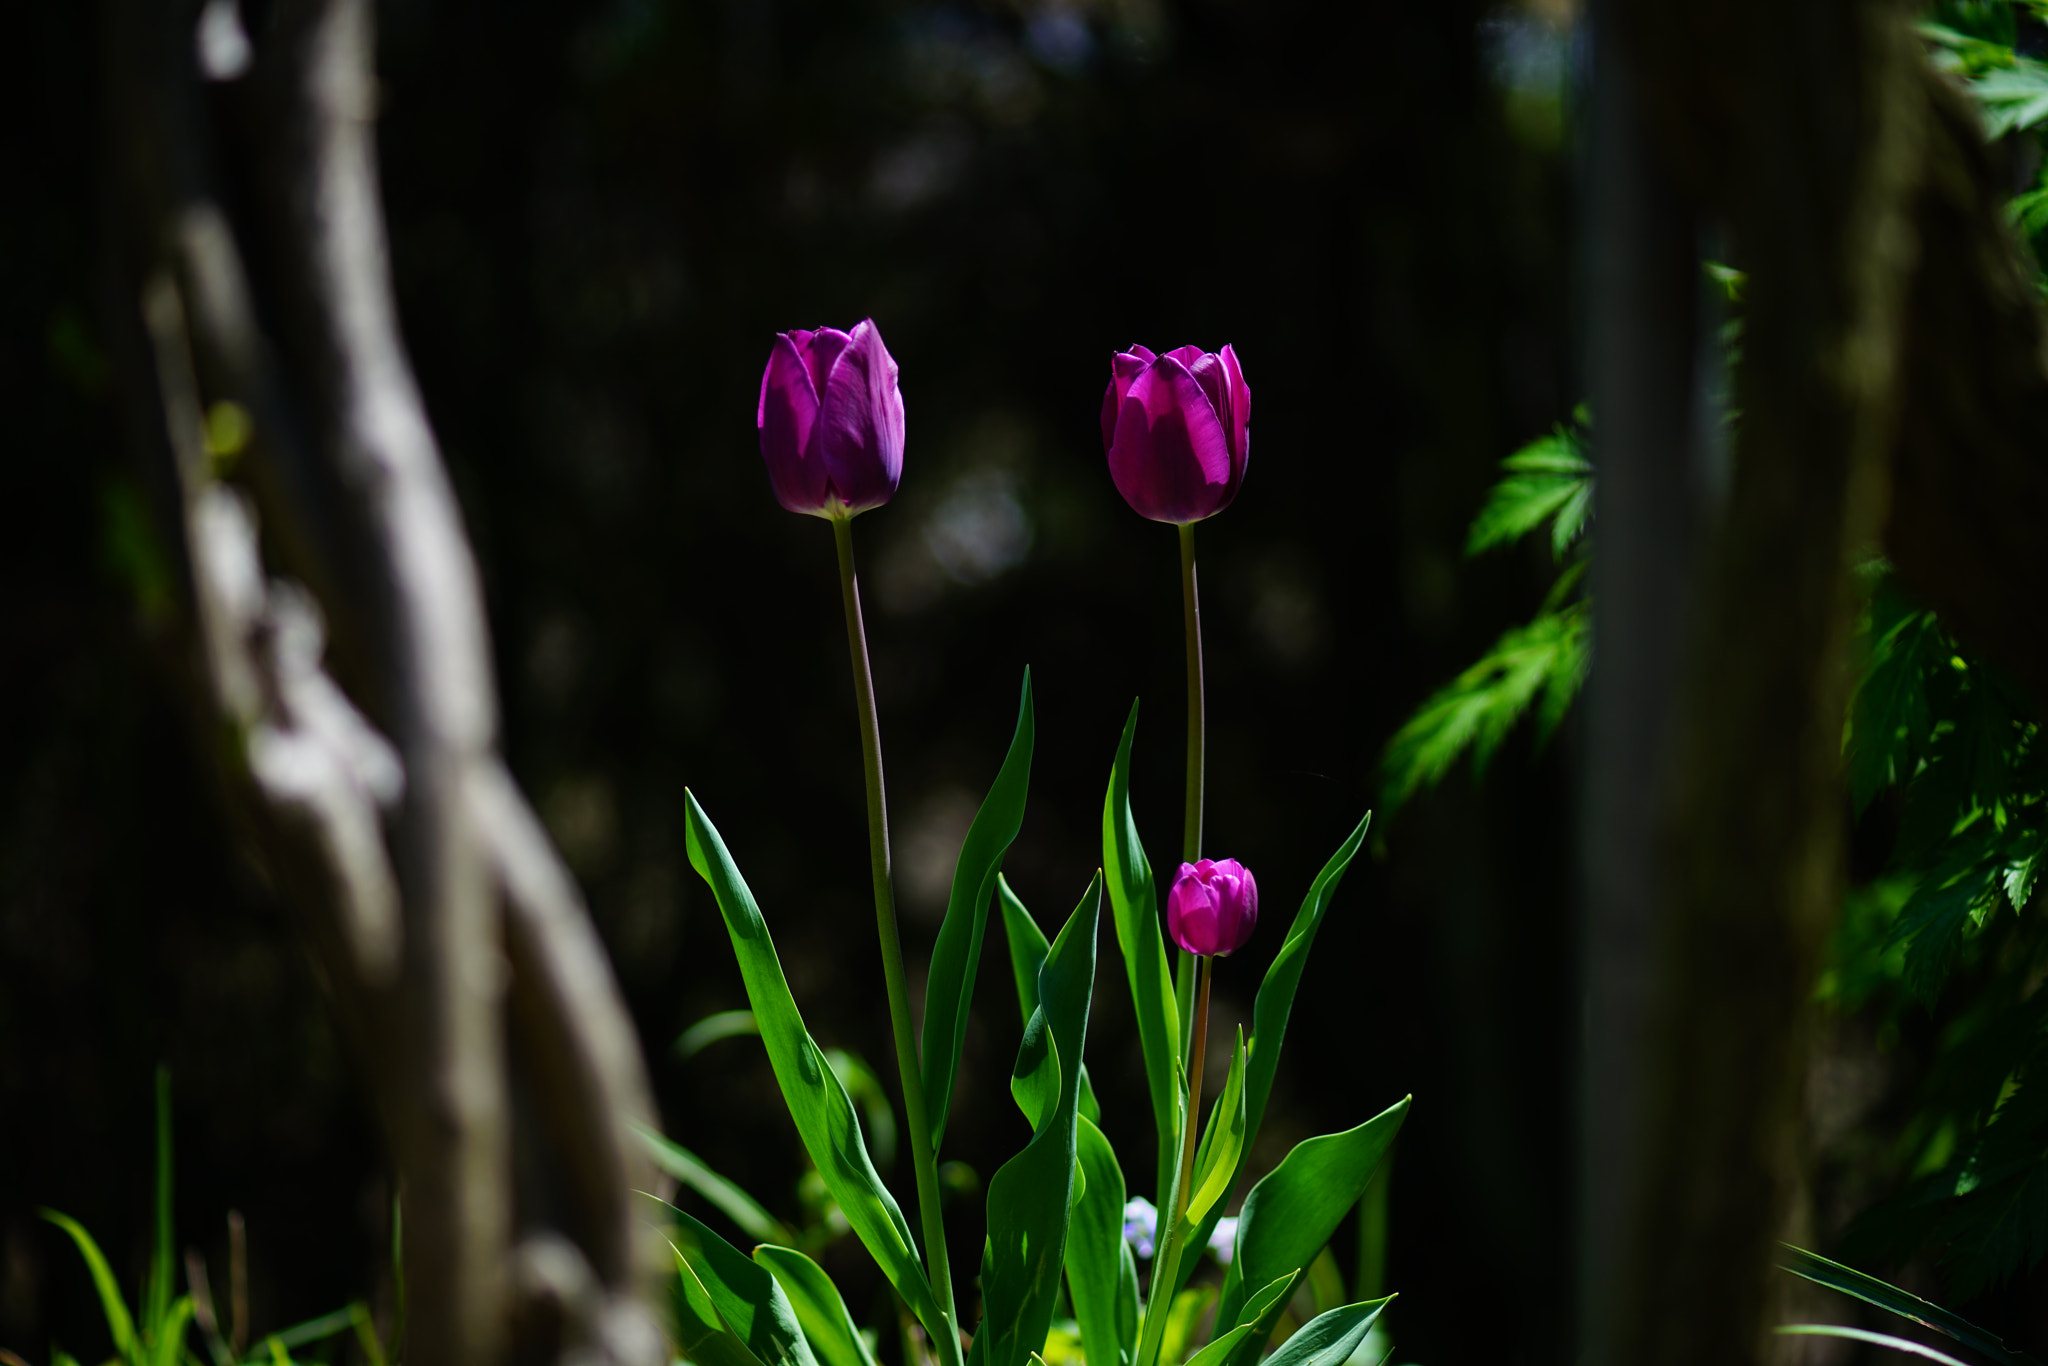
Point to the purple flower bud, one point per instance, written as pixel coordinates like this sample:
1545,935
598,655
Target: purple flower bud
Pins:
1178,429
831,420
1213,907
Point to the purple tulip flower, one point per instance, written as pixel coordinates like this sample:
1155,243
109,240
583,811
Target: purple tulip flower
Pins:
1213,907
831,420
1177,428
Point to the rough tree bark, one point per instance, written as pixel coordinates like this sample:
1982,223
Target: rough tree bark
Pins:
1893,391
454,944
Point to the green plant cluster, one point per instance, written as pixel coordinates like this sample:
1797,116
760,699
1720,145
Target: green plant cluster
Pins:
1059,1280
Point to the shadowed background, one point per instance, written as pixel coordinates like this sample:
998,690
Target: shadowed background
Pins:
600,214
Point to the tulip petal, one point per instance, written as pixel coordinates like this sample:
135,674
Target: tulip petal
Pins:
1238,425
819,350
1124,367
787,416
862,431
1169,458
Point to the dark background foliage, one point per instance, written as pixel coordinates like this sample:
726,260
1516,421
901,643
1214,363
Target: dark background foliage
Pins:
600,213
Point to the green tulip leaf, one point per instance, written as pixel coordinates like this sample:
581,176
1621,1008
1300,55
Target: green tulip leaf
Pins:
746,1294
699,1331
1096,1253
170,1341
1031,1197
1134,899
1274,1004
1181,1318
735,1204
1242,1345
955,956
1290,1214
820,1311
1276,994
817,1099
1330,1339
1027,954
1216,1160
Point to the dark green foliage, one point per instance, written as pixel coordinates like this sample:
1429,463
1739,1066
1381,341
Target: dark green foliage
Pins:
1540,664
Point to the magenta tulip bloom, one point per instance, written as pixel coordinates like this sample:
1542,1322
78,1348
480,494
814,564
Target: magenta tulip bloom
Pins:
831,420
1213,907
1177,428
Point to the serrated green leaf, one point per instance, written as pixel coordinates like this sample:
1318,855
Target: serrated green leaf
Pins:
1542,479
820,1310
1291,1213
817,1099
1031,1196
1134,902
738,1206
1475,712
949,985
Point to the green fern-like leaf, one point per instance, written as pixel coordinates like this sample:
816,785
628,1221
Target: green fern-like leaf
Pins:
1548,478
1542,664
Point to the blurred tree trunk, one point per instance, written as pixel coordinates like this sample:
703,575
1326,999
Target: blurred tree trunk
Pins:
1892,391
265,374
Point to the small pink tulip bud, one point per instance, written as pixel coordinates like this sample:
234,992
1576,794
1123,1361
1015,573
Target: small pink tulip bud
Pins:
1213,907
1177,429
831,420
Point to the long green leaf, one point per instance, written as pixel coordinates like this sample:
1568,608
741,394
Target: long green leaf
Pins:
1275,1001
1330,1339
1134,901
817,1100
162,1268
699,1331
957,954
1031,1196
1028,948
734,1203
120,1326
747,1294
725,1024
1290,1214
1223,1143
170,1335
1271,1011
1095,1256
1836,1330
827,1325
1242,1345
1904,1303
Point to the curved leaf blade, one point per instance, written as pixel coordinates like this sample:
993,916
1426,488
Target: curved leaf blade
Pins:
1294,1209
1330,1339
820,1310
120,1326
1223,1143
1096,1252
1134,902
1242,1345
817,1099
699,1331
1836,1330
735,1204
949,986
1031,1197
746,1294
1863,1286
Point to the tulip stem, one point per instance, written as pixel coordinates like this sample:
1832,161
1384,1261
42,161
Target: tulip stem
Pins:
1166,1266
914,1111
1191,610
